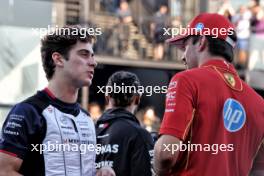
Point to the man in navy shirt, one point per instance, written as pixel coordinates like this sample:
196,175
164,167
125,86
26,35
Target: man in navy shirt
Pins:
49,133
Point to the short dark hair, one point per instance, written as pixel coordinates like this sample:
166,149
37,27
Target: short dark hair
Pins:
61,41
123,79
218,47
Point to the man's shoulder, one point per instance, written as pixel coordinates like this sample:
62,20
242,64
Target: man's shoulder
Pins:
139,132
144,133
121,124
21,112
36,101
127,127
191,72
29,107
192,75
24,107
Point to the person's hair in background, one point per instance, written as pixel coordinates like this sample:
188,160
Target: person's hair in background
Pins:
123,79
61,41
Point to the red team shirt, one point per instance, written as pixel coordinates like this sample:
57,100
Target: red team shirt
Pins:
213,107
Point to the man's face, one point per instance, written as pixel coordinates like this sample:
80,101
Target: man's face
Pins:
190,58
79,68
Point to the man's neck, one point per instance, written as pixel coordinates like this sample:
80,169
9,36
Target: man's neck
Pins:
206,59
63,91
128,108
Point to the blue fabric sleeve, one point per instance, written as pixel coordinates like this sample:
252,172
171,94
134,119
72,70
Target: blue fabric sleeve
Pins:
21,124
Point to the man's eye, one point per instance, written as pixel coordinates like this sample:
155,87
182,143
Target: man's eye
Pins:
85,54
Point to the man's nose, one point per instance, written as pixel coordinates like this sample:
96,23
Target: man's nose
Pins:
183,58
93,62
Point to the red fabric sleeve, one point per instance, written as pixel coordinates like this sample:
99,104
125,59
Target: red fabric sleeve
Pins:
179,111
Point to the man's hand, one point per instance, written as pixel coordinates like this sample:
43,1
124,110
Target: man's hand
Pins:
9,165
105,171
165,159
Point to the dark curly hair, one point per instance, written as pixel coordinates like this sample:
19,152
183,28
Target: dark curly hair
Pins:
123,79
61,41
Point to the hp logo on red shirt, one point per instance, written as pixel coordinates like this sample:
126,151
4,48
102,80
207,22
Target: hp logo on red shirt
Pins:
234,115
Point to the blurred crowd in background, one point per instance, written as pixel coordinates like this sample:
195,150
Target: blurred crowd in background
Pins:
146,40
248,19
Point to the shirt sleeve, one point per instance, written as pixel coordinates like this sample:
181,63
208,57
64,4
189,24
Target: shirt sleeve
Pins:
19,126
179,111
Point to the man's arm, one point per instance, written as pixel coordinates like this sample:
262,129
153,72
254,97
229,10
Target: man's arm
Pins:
21,122
165,154
176,123
9,165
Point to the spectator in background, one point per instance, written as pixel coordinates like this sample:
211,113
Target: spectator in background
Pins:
125,17
160,21
227,10
242,24
259,28
124,12
256,13
109,5
257,19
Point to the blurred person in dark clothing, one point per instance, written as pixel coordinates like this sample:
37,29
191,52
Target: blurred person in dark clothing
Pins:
125,145
124,12
123,28
110,5
160,22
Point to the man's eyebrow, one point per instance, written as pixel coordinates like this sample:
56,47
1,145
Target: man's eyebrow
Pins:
85,51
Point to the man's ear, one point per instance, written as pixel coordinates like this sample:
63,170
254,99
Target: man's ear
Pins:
137,99
107,99
57,59
202,43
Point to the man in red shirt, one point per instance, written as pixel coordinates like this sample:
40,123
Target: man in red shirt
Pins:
213,122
